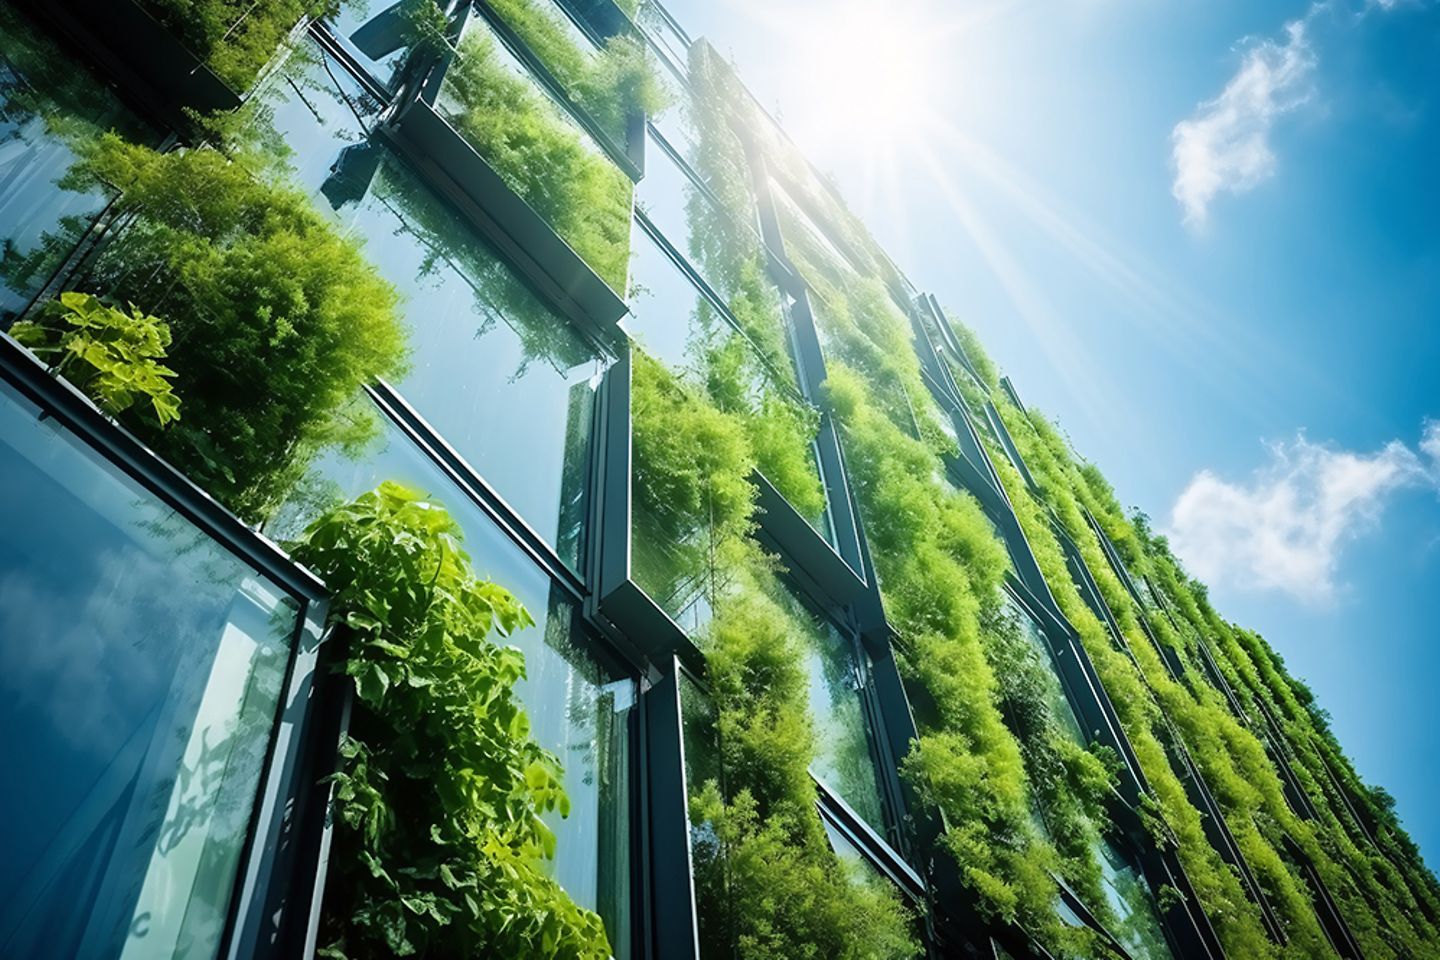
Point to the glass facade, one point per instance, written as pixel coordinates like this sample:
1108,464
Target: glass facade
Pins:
147,661
143,666
46,101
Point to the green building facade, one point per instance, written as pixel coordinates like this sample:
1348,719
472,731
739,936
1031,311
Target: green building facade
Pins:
472,489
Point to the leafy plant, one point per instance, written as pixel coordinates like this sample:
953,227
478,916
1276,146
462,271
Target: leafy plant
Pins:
277,318
539,153
236,38
440,845
109,354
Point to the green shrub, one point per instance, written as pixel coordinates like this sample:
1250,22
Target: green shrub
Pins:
612,84
439,846
277,320
767,882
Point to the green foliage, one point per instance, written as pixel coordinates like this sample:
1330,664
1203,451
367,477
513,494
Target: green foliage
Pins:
236,38
1381,903
612,84
440,845
768,884
109,354
277,319
541,156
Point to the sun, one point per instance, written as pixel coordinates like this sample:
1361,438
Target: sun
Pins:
866,71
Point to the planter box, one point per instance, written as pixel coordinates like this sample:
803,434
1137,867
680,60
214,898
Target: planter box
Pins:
482,196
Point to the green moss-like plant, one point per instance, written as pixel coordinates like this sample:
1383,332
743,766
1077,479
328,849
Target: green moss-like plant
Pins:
236,38
1382,900
541,156
277,319
440,846
768,885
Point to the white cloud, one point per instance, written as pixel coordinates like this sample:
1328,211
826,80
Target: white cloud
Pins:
1286,528
1225,146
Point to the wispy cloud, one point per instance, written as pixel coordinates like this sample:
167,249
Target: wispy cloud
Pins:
1225,146
1286,528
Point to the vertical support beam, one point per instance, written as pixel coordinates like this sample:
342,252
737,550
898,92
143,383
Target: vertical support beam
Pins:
674,928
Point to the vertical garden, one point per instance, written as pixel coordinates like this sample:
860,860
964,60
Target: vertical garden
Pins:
934,690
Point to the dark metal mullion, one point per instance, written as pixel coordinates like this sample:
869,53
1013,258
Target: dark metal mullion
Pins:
339,51
876,849
674,919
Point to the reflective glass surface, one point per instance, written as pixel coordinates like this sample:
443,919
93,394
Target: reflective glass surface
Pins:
843,760
141,668
1133,903
48,103
1060,705
507,382
578,709
532,142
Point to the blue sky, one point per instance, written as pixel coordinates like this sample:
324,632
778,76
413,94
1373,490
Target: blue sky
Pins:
1206,238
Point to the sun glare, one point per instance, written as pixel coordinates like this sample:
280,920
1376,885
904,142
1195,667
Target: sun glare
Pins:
866,70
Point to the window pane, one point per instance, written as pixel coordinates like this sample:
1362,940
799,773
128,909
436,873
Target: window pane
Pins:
507,382
141,668
47,103
578,710
536,146
843,760
1060,704
1130,897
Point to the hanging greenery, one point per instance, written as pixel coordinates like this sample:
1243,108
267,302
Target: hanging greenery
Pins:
277,320
768,885
440,846
1382,896
540,154
614,83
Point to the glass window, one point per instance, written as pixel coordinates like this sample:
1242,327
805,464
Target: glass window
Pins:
141,668
1137,924
668,40
1060,705
48,103
508,382
578,708
843,759
537,147
728,253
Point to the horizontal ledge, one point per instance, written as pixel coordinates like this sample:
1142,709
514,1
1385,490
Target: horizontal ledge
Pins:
810,555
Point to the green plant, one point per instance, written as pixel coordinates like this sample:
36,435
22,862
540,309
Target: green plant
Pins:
277,318
111,355
236,38
540,155
612,84
440,844
767,882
